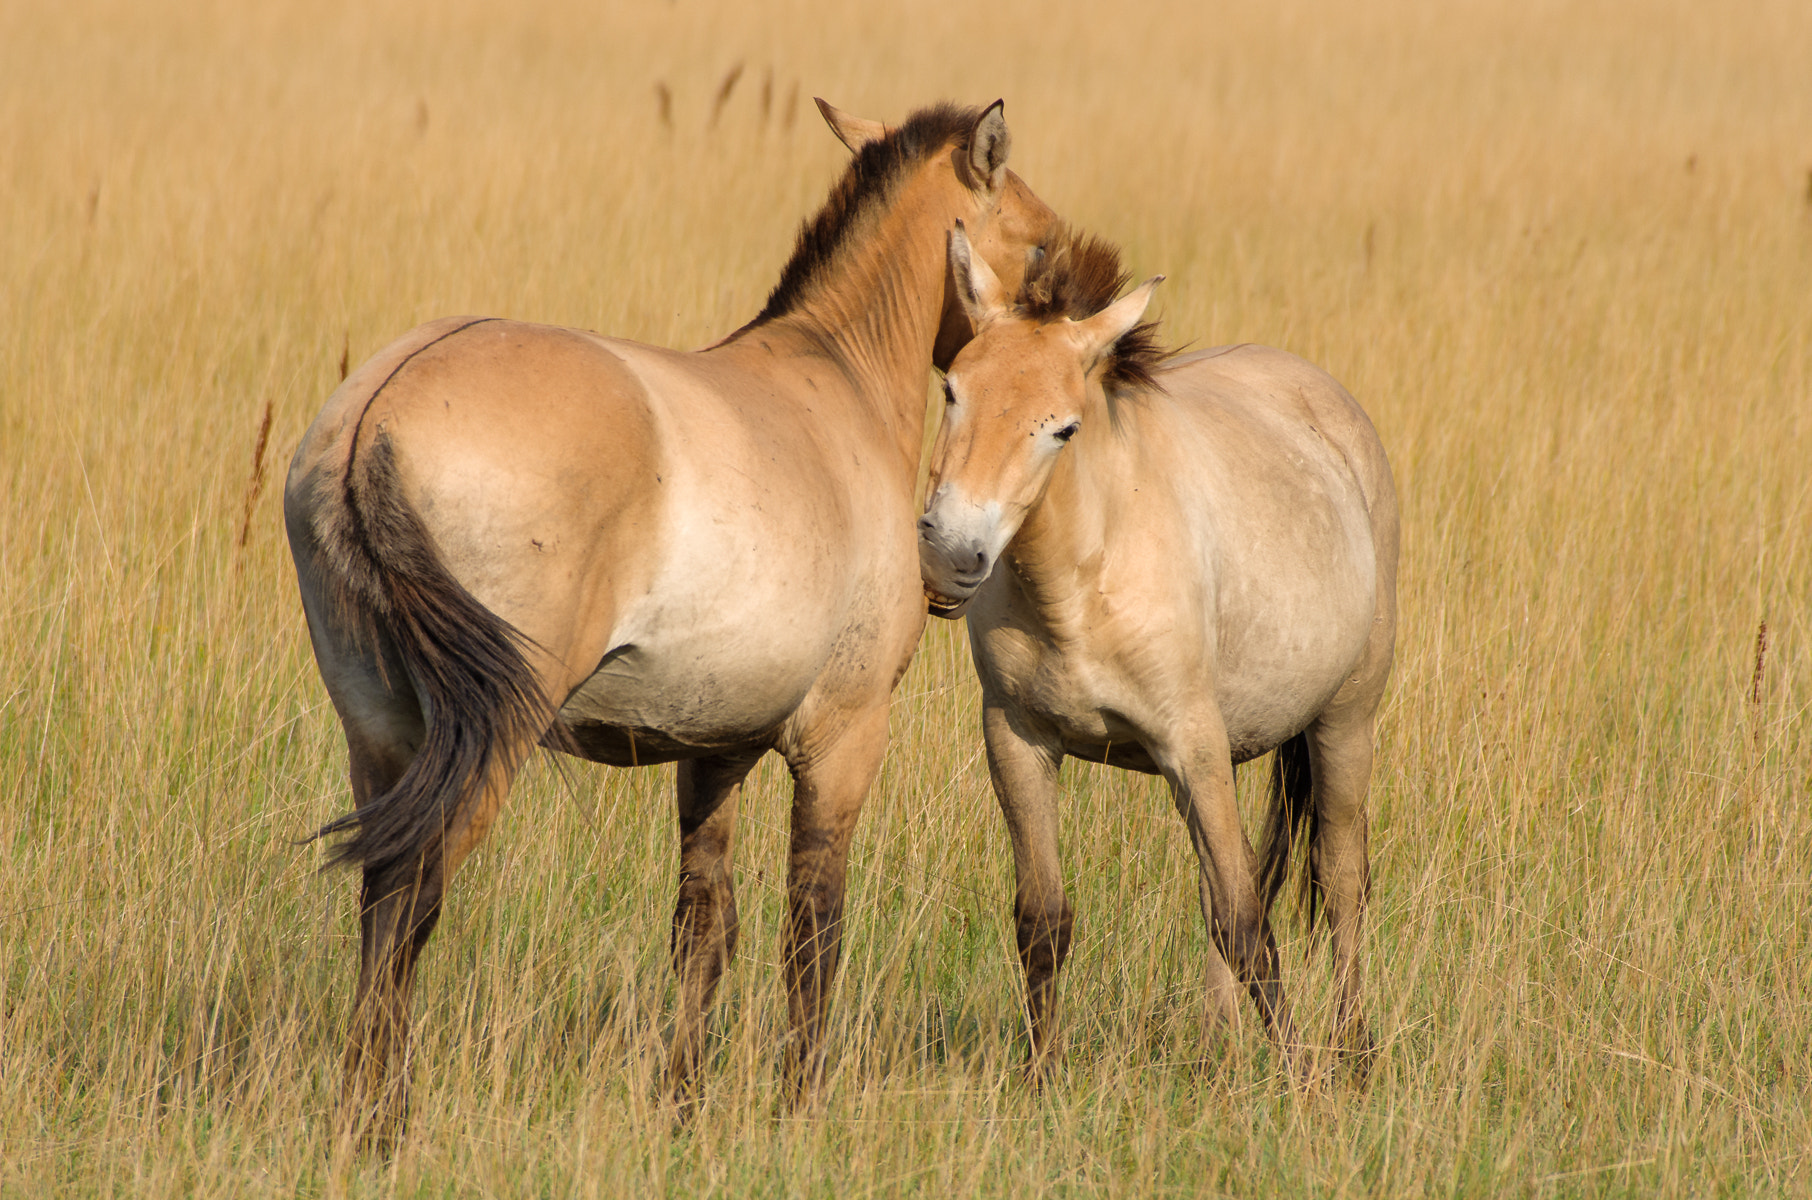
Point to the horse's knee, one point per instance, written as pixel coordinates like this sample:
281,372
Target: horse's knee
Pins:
815,927
704,916
400,905
1245,942
1043,929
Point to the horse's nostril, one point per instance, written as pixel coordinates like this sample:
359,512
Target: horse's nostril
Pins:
925,525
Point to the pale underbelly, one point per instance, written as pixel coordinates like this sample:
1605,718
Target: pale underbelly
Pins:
646,705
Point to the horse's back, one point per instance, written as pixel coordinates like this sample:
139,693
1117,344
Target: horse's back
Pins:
1263,381
1279,425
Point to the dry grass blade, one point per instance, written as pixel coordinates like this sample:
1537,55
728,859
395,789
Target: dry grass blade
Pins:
254,484
724,90
663,99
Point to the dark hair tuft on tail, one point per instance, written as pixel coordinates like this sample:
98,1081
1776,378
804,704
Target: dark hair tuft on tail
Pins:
479,693
1291,809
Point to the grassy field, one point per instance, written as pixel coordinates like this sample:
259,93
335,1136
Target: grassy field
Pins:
1562,252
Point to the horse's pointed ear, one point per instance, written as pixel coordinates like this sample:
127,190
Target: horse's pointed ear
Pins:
976,284
853,131
1093,336
989,145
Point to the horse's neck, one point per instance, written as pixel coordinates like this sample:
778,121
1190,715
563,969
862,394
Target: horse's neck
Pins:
876,313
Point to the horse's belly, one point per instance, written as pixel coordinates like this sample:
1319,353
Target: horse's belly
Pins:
657,702
1127,691
1273,680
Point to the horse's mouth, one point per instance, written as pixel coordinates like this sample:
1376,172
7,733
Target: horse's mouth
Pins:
940,605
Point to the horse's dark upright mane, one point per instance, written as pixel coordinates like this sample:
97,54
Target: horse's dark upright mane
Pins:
872,174
1077,276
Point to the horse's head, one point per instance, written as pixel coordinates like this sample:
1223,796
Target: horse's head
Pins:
1016,397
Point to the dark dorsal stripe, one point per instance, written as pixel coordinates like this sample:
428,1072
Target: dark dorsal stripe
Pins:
1077,276
870,180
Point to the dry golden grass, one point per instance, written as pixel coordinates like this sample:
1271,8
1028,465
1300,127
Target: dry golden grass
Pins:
1562,253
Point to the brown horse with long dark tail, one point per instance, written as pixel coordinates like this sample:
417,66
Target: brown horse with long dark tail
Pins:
510,534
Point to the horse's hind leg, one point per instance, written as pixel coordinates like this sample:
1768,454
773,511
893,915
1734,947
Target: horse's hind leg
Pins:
374,1096
704,917
399,899
1340,765
399,905
1023,767
381,717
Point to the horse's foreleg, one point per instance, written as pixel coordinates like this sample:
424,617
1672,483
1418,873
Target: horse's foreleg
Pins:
1201,779
1023,762
832,773
1221,984
704,916
1341,767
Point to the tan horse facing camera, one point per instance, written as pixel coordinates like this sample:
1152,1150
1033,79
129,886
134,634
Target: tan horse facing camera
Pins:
1171,565
509,533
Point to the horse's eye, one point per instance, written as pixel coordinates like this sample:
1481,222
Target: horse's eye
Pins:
949,396
1068,431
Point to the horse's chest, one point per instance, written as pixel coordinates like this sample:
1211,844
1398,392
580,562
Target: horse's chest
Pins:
1072,692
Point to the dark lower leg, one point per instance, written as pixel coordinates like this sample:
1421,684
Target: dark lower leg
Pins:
814,946
1344,896
399,909
704,914
1229,884
1252,952
1043,929
1339,865
704,941
1221,985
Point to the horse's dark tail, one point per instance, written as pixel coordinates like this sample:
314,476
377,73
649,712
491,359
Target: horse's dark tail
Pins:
1292,808
481,699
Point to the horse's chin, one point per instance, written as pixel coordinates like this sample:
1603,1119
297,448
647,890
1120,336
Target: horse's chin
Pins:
939,605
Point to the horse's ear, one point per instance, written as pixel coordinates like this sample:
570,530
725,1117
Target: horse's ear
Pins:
1093,336
976,284
989,145
853,131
